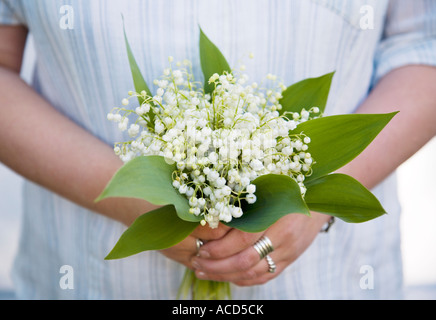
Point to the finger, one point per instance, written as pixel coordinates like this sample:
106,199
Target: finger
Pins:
241,261
182,252
206,233
263,276
232,243
259,274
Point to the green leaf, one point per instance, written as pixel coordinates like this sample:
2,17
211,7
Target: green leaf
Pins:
336,140
343,197
138,79
212,61
308,93
277,196
148,178
156,230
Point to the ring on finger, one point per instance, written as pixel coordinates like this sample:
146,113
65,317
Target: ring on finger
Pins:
271,265
263,247
198,243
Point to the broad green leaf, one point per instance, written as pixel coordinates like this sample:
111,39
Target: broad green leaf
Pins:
308,93
148,178
336,140
212,61
138,79
343,197
156,230
277,196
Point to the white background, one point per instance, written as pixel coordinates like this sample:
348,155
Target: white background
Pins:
417,191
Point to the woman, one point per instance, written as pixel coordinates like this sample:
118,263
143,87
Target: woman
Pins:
56,135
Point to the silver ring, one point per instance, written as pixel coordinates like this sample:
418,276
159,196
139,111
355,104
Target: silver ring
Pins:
271,264
198,243
263,247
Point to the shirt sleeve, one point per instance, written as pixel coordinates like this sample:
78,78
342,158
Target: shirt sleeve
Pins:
409,36
7,15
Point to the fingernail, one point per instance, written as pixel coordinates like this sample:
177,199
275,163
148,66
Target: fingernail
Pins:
200,274
203,254
195,264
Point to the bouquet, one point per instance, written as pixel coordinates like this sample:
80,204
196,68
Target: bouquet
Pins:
231,151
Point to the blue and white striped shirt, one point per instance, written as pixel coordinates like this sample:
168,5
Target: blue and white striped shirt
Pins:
82,70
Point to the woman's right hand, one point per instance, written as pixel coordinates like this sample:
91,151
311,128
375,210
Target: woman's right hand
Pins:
186,249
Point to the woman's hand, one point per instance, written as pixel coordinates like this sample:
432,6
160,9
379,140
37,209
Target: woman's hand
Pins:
232,257
186,249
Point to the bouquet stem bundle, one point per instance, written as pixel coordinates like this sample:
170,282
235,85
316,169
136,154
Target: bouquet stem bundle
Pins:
198,289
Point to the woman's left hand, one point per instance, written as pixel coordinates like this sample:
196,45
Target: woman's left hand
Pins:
234,259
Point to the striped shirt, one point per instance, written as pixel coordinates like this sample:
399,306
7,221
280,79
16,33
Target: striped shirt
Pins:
83,71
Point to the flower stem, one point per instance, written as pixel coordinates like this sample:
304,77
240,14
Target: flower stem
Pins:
202,289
